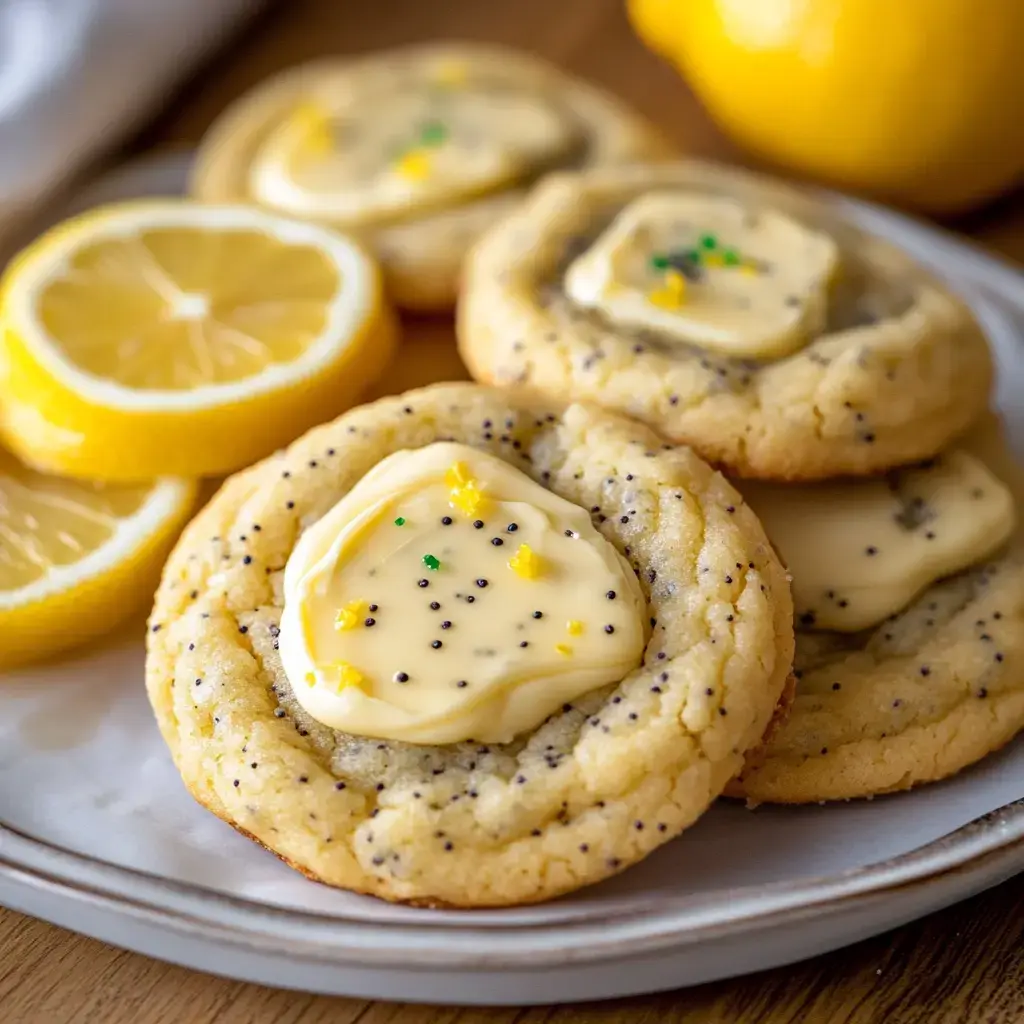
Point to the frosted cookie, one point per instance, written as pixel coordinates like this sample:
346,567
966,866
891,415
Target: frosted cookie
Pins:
729,312
418,150
459,648
910,638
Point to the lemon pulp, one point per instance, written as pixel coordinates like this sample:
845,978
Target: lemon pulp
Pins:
182,308
47,522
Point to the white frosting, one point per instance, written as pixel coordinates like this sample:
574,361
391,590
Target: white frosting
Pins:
389,154
862,550
760,290
365,651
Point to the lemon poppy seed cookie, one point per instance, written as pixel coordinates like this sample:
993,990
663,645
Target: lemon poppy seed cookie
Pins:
462,648
728,312
910,635
418,149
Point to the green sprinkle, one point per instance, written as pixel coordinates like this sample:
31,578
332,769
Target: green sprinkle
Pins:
708,241
731,258
433,134
400,521
431,562
660,262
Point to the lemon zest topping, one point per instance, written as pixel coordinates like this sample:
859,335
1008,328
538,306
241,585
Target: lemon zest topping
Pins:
574,627
464,492
468,499
457,475
563,649
347,676
316,122
414,165
451,73
525,562
672,294
350,616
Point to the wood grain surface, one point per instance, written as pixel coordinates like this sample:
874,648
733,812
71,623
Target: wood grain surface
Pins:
962,966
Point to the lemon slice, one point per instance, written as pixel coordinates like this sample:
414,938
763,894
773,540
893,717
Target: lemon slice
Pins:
77,558
174,338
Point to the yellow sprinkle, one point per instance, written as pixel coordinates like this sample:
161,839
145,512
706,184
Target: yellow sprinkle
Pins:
414,165
525,563
574,627
468,499
750,269
350,616
311,679
464,494
347,675
316,124
451,72
458,475
675,282
712,260
672,295
563,649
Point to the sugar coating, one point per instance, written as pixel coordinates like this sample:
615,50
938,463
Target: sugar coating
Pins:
595,788
901,369
422,254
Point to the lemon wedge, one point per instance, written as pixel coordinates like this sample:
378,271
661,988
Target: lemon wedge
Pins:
77,558
170,338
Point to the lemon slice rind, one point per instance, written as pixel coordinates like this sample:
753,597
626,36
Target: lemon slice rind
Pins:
61,417
163,506
81,600
350,308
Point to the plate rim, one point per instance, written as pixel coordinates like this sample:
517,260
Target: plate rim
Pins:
994,839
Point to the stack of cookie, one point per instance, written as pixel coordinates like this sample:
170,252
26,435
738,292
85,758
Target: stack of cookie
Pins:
484,644
834,379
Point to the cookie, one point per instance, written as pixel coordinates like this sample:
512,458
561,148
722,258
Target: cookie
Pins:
600,782
729,312
417,150
920,696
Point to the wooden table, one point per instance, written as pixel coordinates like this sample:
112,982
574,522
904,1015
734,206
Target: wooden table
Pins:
962,966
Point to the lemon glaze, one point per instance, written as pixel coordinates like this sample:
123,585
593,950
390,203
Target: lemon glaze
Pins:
860,551
709,271
449,597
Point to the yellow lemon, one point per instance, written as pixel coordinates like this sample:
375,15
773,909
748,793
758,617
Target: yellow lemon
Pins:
76,558
918,101
174,338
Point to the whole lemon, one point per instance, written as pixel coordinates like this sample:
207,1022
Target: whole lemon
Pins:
918,101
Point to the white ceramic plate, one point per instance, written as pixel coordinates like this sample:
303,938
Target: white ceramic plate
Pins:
96,834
